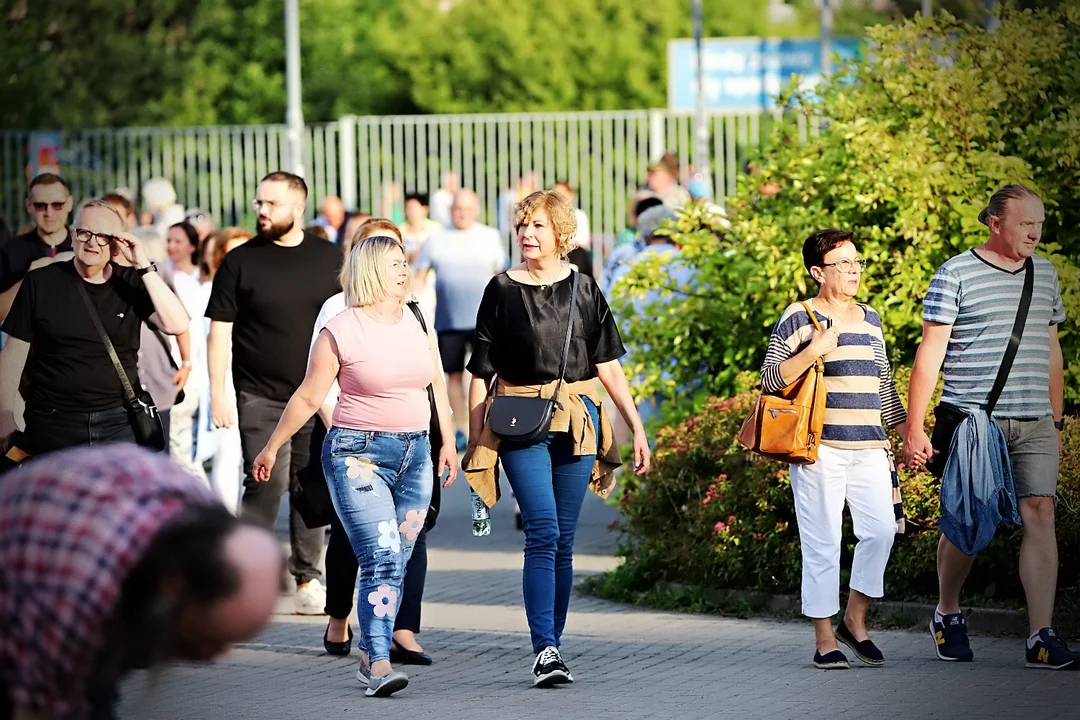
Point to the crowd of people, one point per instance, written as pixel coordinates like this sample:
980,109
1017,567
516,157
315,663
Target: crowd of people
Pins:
301,357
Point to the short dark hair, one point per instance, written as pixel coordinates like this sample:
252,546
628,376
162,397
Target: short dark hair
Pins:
818,245
999,200
293,181
192,236
188,550
645,203
318,231
420,197
119,201
46,178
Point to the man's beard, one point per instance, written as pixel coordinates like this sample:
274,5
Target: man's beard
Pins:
275,231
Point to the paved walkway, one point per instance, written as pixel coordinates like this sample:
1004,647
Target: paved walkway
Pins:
629,663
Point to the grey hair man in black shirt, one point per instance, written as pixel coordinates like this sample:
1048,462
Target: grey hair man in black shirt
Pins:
74,395
266,297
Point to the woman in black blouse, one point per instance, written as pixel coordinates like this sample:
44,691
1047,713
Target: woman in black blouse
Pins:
520,333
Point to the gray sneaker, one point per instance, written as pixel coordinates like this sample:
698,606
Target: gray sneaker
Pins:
386,685
363,675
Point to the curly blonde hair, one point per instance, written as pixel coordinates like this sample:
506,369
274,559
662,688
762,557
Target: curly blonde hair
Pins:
560,214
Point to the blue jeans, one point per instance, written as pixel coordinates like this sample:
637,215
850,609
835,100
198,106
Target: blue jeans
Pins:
380,483
549,483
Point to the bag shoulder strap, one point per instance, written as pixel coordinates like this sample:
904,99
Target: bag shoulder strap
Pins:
415,307
817,326
1014,338
569,332
129,393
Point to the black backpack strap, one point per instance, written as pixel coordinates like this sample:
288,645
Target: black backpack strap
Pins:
1014,339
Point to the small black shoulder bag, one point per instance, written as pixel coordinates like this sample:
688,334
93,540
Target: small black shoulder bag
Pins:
145,420
528,419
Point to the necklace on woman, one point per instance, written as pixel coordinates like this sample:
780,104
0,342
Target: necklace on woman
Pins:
540,281
834,314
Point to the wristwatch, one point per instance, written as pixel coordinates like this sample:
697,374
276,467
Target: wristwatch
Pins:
148,269
1060,424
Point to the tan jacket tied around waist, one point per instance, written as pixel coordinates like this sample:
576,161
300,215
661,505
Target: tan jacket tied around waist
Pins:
573,418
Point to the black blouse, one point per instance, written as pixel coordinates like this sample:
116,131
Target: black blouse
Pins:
521,329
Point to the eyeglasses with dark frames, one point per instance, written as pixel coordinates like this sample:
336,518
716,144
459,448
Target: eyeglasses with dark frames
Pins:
100,239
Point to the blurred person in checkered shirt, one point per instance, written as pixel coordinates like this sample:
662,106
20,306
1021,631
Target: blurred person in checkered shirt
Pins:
114,558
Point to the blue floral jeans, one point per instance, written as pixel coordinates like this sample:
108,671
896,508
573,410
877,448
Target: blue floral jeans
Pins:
380,483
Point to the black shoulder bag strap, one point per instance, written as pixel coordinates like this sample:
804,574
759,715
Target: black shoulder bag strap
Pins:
129,393
569,333
1014,339
415,307
435,504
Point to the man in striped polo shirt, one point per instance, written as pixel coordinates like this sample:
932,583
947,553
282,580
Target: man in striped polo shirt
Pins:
968,316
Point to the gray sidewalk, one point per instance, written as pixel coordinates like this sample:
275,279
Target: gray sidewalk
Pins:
628,663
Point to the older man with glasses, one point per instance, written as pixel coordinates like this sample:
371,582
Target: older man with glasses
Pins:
73,393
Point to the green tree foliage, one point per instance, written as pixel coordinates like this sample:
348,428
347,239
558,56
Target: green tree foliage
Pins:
914,142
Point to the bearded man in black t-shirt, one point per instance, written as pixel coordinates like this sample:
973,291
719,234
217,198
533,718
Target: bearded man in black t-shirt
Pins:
74,395
266,297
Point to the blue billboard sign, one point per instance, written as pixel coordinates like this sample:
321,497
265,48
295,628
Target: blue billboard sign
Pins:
746,74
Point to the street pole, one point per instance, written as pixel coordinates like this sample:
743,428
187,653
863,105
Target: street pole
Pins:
927,8
826,38
990,20
294,115
701,129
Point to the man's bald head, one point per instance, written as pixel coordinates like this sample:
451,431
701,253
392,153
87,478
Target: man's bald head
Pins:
465,210
333,210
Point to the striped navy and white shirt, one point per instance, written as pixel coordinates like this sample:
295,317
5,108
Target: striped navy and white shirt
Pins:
980,301
858,377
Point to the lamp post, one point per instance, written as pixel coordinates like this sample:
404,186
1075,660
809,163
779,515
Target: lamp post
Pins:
294,114
701,129
826,38
927,8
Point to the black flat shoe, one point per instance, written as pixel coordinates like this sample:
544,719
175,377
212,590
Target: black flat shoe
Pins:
340,649
409,657
866,650
834,660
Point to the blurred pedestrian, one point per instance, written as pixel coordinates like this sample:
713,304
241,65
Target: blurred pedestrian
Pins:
116,559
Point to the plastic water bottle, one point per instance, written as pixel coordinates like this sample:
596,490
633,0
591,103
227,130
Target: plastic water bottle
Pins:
481,516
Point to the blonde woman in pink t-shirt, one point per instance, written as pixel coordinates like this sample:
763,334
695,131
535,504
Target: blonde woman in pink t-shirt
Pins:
376,457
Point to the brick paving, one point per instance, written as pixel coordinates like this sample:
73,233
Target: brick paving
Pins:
628,662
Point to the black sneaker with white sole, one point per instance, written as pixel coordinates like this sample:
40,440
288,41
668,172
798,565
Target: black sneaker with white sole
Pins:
549,669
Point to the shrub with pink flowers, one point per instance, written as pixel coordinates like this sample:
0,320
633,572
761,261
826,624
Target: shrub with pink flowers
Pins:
711,514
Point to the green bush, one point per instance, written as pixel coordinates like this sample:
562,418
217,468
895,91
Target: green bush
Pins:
712,514
917,138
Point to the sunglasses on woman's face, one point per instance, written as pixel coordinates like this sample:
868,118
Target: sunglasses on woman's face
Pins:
56,206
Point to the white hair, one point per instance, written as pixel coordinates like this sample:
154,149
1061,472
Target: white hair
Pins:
158,193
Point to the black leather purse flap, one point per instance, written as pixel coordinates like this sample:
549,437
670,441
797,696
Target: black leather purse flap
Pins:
520,419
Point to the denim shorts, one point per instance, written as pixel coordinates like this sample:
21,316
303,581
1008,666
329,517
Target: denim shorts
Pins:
1033,455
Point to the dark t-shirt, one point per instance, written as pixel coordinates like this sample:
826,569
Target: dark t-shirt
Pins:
69,368
272,294
19,252
521,330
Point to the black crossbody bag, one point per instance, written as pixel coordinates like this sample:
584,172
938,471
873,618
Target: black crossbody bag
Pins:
947,418
143,413
528,419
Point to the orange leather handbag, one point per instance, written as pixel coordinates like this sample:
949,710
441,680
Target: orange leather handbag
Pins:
787,425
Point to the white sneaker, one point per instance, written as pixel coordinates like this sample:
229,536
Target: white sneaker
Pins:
310,599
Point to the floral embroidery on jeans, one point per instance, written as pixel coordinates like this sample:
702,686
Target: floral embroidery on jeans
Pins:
383,601
414,523
361,468
388,536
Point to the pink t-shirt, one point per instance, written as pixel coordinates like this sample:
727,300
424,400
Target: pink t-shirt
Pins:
385,371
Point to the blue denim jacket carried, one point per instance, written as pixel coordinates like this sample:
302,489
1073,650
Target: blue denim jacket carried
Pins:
977,492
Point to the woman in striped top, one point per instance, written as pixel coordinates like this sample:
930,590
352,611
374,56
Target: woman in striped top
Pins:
853,463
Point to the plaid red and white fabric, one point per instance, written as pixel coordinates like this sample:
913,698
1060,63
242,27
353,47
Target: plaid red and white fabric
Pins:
72,527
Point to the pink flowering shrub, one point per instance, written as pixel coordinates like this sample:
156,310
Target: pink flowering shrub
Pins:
711,514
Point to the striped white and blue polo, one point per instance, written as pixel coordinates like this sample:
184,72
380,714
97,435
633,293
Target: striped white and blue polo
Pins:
980,301
858,377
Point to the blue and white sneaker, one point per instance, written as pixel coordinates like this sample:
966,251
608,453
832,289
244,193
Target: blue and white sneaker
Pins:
1049,652
950,638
